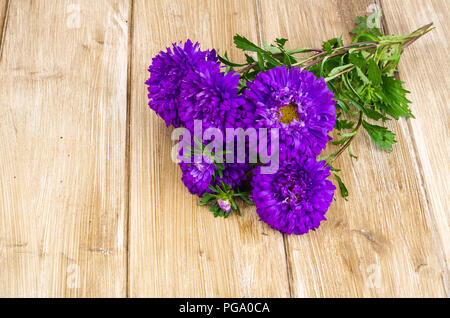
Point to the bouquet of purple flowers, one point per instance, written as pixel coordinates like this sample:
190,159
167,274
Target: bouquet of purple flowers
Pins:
255,131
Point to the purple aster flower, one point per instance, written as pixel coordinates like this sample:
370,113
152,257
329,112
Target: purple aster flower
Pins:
296,197
234,174
200,171
297,103
212,97
167,72
197,176
225,205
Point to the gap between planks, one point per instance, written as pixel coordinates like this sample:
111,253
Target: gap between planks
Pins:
127,142
4,27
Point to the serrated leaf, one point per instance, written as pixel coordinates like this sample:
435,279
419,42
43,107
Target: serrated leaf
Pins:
394,99
373,114
381,136
344,124
246,45
281,42
327,46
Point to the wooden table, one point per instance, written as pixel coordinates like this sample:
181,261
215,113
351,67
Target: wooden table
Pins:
91,204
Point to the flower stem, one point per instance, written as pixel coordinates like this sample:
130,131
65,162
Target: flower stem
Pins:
249,67
321,54
336,155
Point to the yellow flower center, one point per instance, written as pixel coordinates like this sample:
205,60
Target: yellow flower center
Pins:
288,113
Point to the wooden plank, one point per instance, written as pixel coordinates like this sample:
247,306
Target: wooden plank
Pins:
379,242
63,80
425,70
177,248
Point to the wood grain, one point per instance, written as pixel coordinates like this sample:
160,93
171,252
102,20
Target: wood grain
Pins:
379,243
177,248
425,68
62,149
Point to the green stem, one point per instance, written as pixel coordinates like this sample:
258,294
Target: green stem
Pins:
249,67
345,51
347,144
321,55
339,74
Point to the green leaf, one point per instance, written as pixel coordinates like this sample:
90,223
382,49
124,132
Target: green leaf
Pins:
324,158
246,45
370,113
332,44
365,36
342,105
270,48
271,60
349,134
281,42
247,200
394,100
340,141
381,136
261,62
334,169
362,76
374,73
249,59
357,59
206,198
224,60
287,60
373,114
335,71
344,124
342,187
351,153
295,51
